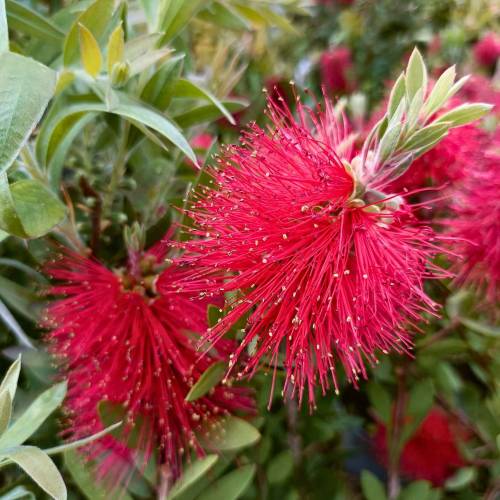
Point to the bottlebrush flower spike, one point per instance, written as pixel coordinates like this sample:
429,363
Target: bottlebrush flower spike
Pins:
329,268
122,338
476,223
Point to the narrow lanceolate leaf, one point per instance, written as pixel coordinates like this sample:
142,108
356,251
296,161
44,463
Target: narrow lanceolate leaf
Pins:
465,113
95,18
425,136
9,382
31,23
89,51
34,416
116,47
4,32
231,486
5,411
26,87
208,380
191,475
397,93
175,14
230,434
389,142
40,468
189,90
372,488
440,91
416,75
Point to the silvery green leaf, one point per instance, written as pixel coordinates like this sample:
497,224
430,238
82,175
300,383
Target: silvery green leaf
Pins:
415,110
4,32
38,465
426,136
465,113
389,141
457,86
397,93
5,410
9,382
18,492
34,416
416,74
440,91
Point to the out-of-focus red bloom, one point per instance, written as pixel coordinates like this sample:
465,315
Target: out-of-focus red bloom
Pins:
487,50
476,223
335,69
200,142
432,453
480,89
324,278
125,338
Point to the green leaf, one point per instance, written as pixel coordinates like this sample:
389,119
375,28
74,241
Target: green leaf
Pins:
5,410
230,434
208,113
141,45
280,467
160,88
187,89
151,58
38,465
175,14
89,51
214,315
381,401
418,490
426,136
85,478
192,474
466,113
231,486
36,209
9,382
462,478
416,75
4,31
420,402
207,381
116,48
372,488
30,22
389,141
440,91
23,300
26,87
17,493
96,19
224,16
397,93
27,424
82,442
482,328
9,220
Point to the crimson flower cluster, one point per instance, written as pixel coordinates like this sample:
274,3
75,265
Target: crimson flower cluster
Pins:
325,276
125,338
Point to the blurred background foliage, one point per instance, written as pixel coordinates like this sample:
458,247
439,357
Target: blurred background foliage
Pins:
140,93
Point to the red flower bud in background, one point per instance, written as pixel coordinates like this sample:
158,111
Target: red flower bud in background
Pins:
487,50
335,70
432,453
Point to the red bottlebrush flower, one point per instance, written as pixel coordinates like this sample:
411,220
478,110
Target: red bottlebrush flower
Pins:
124,340
487,50
323,277
476,223
432,453
335,68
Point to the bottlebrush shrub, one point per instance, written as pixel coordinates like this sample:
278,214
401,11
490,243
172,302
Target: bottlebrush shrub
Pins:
328,267
125,338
